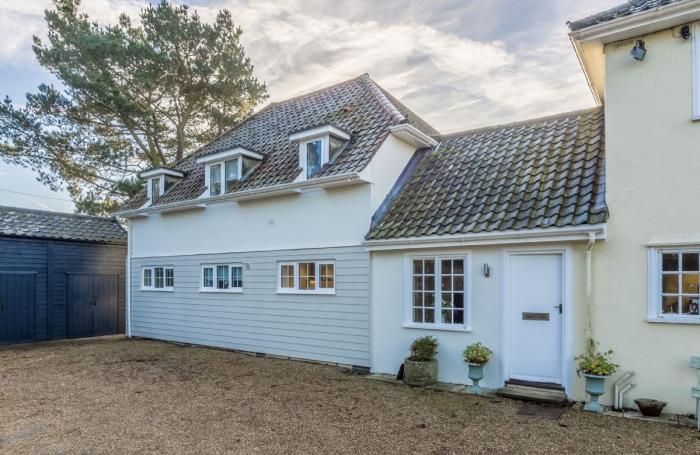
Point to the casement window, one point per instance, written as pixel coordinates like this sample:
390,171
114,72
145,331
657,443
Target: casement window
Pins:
306,277
160,182
319,146
224,169
437,292
674,285
158,278
222,278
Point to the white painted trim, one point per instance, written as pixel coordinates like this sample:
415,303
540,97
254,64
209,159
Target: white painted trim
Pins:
161,171
408,292
641,23
412,135
214,289
563,234
667,244
567,320
227,154
317,270
695,62
318,132
153,287
654,313
694,321
255,193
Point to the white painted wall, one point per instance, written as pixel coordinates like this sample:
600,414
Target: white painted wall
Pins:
390,341
386,166
653,175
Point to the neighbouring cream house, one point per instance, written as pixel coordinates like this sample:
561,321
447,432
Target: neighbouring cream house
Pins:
338,226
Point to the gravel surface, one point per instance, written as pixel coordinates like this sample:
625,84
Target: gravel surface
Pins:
137,396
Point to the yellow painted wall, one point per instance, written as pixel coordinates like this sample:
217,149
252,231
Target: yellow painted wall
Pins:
653,192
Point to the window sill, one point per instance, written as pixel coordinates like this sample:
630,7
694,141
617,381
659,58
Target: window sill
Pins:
691,321
158,289
222,291
296,292
441,327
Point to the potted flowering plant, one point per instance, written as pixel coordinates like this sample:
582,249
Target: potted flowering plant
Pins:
595,367
476,356
421,367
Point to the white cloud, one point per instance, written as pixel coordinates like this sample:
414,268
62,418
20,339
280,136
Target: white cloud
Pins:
450,79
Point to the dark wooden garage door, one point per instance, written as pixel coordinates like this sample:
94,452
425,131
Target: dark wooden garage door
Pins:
93,307
17,306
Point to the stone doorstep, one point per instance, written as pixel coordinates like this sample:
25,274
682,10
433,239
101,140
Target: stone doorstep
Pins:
439,386
668,419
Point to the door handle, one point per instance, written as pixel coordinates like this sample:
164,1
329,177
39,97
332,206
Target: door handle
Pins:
560,307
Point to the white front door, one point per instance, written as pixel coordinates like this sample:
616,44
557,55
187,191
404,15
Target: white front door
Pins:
534,318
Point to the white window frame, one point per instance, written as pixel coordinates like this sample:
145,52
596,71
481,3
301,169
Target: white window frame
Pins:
408,293
654,303
695,64
231,289
322,133
153,287
161,187
317,269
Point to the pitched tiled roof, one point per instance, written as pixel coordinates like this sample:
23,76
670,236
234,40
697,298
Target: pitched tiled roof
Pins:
358,106
626,9
19,222
543,173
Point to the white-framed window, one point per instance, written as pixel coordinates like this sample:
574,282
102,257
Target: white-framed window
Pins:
319,146
306,277
437,292
221,278
160,184
674,284
158,278
223,169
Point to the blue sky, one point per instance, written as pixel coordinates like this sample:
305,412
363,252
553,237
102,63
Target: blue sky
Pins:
458,63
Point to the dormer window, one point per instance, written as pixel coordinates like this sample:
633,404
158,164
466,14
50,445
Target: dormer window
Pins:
224,169
319,146
160,181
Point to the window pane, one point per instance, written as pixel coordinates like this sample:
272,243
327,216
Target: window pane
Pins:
669,305
418,283
458,266
446,317
458,317
669,262
429,282
690,262
248,165
429,299
417,315
314,152
429,265
155,189
690,283
326,276
669,283
458,300
458,282
231,174
147,277
170,182
169,278
236,277
446,283
159,277
222,277
418,299
287,276
446,266
208,277
423,280
418,266
690,306
430,316
335,147
446,300
307,275
452,287
215,180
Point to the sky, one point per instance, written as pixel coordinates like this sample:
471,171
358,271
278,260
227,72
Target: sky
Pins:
459,64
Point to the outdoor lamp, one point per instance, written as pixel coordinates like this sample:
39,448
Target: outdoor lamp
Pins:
639,51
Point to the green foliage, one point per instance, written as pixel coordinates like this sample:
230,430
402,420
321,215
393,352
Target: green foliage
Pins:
598,363
477,353
132,96
424,349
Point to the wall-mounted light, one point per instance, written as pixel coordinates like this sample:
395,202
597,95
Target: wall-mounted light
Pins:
685,32
487,271
639,51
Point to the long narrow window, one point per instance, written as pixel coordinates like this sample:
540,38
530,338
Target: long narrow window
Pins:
158,278
222,278
314,157
306,277
231,174
437,291
215,180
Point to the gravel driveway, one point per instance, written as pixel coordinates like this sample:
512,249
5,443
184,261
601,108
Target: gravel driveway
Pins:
137,396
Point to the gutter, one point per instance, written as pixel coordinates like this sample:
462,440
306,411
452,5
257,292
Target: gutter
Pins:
256,193
563,234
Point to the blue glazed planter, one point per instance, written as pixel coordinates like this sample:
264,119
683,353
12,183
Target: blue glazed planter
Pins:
595,387
476,374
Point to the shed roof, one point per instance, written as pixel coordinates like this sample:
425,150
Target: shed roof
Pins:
39,224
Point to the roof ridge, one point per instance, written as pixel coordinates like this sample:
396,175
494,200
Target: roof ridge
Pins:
386,103
518,123
66,214
314,92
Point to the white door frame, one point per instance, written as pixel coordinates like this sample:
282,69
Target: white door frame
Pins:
566,287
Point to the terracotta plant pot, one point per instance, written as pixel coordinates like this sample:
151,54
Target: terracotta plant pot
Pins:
649,407
419,373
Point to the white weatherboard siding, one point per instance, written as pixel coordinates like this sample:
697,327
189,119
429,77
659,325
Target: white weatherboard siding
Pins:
328,328
391,341
653,170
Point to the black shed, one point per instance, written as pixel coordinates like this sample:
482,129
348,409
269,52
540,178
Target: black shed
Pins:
61,275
